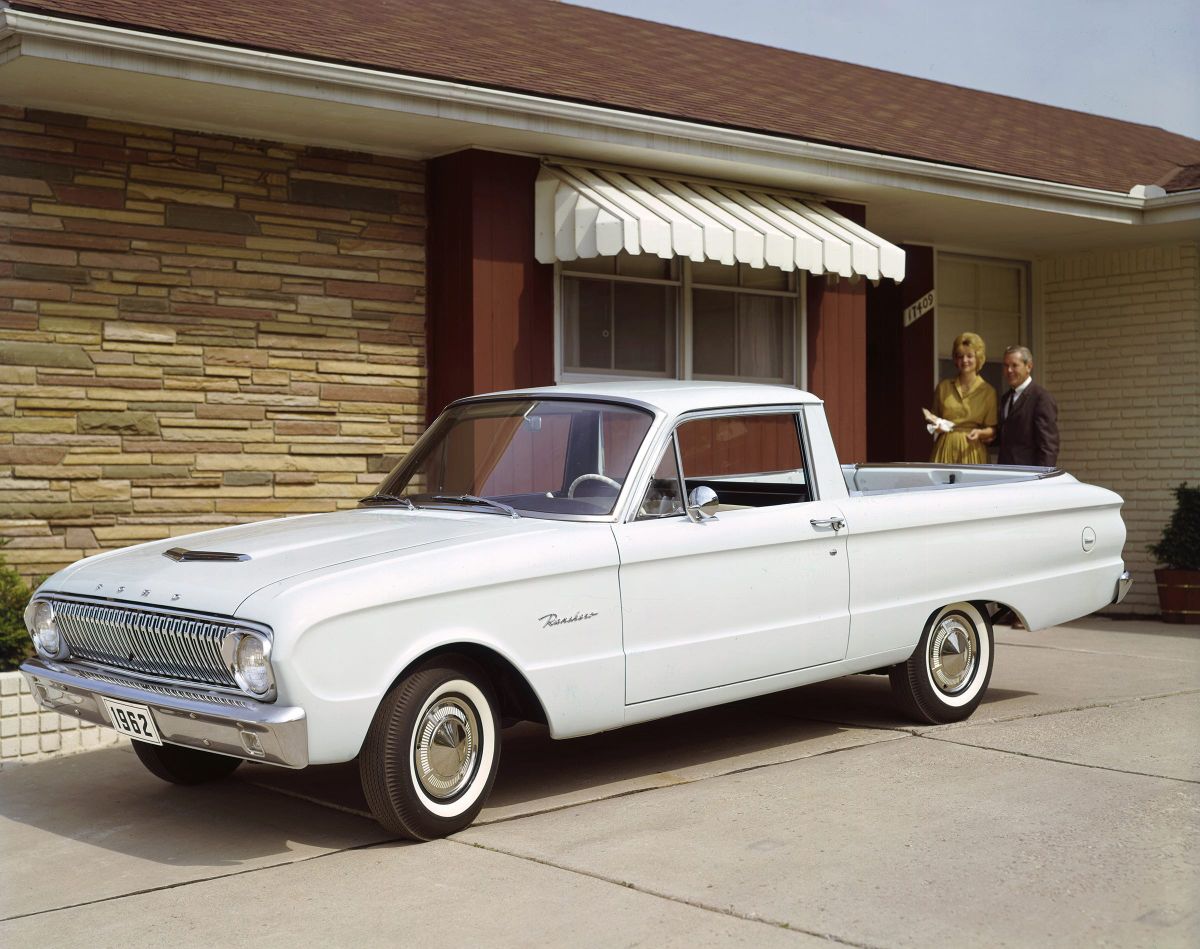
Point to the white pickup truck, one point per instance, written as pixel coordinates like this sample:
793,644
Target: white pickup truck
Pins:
586,556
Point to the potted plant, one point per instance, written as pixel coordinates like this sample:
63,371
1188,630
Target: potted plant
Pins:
1179,554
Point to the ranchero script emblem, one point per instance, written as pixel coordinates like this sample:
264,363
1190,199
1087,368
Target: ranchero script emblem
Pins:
553,619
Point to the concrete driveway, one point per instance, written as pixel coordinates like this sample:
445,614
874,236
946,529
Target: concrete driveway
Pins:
1065,813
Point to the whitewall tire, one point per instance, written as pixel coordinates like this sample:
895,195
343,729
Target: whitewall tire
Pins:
430,757
945,678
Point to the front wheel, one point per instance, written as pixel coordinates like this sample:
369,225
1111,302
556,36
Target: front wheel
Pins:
945,678
432,751
180,765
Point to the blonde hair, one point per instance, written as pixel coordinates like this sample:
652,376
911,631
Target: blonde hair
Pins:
973,342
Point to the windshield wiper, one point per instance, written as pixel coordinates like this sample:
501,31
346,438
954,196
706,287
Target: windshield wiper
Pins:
475,499
389,499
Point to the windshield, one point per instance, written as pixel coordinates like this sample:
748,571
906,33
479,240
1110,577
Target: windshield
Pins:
543,456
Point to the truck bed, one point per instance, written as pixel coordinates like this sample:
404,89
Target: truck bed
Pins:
862,480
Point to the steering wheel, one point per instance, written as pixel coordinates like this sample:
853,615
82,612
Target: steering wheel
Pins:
592,477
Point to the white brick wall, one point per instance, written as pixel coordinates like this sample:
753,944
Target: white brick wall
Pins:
29,734
1121,341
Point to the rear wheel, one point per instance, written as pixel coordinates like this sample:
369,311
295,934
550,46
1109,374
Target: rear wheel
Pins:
945,678
180,765
430,757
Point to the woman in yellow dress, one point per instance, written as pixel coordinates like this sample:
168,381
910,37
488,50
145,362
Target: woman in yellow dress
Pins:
968,402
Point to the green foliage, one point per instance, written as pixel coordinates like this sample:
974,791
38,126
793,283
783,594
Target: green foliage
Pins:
15,644
1179,548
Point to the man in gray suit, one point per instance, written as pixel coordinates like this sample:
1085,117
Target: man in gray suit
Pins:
1027,432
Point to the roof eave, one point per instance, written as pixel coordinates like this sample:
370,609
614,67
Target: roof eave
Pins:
67,41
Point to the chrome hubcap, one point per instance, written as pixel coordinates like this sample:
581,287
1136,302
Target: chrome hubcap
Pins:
953,653
446,750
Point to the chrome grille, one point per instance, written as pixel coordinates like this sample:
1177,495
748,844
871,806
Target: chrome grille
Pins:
192,695
156,644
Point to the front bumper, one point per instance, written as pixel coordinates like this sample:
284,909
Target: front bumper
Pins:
188,716
1124,582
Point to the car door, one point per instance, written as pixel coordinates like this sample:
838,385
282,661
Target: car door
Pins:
760,589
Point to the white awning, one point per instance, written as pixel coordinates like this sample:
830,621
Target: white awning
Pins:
597,212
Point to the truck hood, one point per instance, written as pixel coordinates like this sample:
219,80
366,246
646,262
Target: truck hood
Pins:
276,550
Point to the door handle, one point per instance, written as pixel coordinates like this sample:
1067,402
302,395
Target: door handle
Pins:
835,523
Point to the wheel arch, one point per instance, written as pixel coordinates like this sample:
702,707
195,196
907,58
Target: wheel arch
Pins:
997,609
517,698
989,609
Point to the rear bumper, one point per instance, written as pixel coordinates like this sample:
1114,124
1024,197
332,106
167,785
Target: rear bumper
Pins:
1124,582
192,717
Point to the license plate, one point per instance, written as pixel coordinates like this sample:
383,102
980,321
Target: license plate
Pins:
132,720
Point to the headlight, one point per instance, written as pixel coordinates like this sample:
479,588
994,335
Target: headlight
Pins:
43,629
251,662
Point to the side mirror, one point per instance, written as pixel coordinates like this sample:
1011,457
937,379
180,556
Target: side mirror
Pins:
702,503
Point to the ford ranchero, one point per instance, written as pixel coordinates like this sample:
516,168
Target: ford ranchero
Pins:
586,556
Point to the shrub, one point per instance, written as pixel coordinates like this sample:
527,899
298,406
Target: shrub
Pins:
1179,548
15,644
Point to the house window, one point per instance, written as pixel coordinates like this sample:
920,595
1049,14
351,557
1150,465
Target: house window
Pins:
641,316
981,296
743,323
620,316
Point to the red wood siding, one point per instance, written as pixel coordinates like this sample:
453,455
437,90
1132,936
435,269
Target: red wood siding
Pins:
837,351
900,364
491,305
916,355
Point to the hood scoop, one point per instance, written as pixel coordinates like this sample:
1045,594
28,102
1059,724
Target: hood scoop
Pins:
182,554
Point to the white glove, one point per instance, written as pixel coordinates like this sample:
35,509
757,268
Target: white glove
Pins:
937,425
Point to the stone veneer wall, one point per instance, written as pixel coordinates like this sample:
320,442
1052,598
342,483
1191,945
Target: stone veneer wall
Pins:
197,330
1122,341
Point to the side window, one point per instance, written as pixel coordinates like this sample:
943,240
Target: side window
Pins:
749,460
662,497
